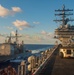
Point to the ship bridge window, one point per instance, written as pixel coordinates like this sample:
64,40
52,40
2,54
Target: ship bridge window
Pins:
68,51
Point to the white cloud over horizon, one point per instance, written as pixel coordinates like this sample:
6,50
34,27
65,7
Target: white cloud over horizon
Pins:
13,33
47,36
43,32
6,12
31,39
21,24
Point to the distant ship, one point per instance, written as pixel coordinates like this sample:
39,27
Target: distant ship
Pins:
9,50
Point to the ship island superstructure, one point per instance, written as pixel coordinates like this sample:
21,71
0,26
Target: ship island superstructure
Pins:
65,32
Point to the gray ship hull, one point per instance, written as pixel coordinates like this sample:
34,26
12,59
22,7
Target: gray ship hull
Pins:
6,58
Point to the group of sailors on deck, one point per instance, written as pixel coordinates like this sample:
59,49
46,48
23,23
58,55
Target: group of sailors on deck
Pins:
8,71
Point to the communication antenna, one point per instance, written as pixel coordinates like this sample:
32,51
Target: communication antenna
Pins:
63,13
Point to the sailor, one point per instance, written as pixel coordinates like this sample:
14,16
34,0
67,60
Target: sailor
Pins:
5,71
11,71
2,72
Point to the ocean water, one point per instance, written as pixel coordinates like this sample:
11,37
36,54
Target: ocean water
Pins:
37,46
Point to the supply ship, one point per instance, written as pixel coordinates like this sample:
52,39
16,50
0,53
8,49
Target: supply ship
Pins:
9,49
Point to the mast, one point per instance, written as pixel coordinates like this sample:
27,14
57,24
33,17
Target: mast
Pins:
16,36
9,38
63,13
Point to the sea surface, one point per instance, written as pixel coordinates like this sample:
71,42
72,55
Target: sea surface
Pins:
35,48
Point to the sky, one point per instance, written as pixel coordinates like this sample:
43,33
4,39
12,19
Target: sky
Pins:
32,18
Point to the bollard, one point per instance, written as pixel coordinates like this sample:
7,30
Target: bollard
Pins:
22,68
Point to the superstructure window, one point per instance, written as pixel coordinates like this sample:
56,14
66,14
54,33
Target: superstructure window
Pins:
2,47
68,51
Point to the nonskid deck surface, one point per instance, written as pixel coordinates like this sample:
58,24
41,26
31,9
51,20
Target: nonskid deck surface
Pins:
58,66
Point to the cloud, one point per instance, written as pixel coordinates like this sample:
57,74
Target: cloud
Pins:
43,32
37,38
5,12
13,33
36,22
32,38
10,28
27,36
47,35
16,9
50,35
21,24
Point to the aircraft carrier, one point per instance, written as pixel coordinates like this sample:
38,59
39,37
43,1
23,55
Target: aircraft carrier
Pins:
61,62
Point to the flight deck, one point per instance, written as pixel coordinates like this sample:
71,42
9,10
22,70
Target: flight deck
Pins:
58,66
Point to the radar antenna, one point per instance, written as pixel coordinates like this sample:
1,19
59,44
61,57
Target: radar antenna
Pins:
63,13
16,37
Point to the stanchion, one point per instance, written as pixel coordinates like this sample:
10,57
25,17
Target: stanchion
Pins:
22,68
